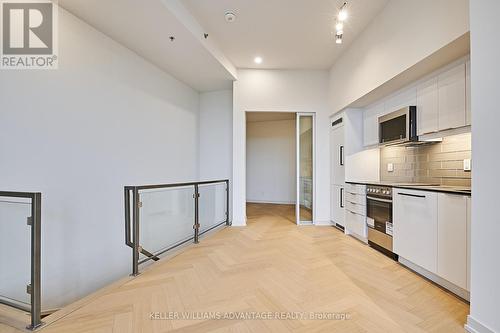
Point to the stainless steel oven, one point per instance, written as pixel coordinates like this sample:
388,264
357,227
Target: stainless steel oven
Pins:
379,218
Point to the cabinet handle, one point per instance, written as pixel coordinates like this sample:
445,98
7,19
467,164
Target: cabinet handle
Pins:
341,152
412,195
341,197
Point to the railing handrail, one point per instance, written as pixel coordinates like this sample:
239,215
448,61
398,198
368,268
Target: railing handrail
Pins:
35,221
132,216
156,186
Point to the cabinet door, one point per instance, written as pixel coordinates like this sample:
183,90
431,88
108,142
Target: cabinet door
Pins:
427,106
452,238
356,223
370,124
337,205
469,211
468,114
415,227
451,87
337,156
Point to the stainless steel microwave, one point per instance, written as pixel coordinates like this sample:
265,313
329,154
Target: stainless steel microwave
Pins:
398,127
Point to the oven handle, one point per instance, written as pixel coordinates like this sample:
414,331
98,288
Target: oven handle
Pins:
379,199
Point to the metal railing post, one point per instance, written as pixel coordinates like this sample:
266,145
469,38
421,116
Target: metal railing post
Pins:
35,288
227,203
196,214
135,232
127,217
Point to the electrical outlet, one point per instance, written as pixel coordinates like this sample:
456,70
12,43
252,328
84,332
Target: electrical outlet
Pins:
467,164
390,167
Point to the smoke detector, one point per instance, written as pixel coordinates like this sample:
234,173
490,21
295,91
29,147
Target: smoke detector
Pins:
230,17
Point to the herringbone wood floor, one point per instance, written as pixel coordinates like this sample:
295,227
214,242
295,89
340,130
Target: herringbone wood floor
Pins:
273,265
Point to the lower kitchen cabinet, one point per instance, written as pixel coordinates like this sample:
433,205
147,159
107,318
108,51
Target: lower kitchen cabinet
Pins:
452,239
415,220
337,205
355,211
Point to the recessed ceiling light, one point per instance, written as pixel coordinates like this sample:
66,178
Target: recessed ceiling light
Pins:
230,17
257,60
338,39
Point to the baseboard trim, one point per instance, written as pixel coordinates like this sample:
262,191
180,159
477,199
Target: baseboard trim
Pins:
271,202
474,326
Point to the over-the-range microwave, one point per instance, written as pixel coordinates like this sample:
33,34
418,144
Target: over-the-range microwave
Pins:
398,127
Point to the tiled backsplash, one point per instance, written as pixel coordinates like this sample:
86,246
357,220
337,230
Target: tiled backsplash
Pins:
440,163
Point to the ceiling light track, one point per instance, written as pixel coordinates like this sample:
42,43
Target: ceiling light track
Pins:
342,16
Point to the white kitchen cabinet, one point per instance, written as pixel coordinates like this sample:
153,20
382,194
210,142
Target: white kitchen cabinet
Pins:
401,99
468,114
356,224
452,239
337,155
337,205
370,124
451,90
427,106
415,218
469,211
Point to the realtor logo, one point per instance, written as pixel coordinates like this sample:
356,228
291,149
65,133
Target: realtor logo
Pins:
28,37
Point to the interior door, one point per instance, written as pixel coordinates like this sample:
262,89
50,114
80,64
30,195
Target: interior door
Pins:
305,168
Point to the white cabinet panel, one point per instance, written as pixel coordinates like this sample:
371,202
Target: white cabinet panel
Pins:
355,207
451,88
415,219
452,238
370,124
468,115
337,155
337,205
356,224
427,106
469,211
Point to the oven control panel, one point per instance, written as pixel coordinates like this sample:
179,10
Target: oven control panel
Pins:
379,191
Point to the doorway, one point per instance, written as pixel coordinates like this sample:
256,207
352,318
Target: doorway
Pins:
280,165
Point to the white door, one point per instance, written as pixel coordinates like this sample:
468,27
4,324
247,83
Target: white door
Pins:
337,155
415,218
337,205
305,168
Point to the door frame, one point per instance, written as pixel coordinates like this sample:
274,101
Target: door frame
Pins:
297,176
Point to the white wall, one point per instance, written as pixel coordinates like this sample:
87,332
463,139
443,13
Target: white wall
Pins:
404,33
485,76
216,133
281,91
271,162
104,119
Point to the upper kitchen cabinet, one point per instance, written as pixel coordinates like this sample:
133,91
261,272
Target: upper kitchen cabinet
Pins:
370,124
427,106
451,96
468,115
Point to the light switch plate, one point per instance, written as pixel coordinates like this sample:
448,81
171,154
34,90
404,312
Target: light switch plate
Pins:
390,167
467,164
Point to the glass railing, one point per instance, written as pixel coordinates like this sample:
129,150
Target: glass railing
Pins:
20,237
159,218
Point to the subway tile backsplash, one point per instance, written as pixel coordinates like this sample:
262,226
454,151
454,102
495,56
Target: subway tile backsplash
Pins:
439,163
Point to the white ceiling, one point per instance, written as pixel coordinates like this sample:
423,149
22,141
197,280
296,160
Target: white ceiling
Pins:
253,117
291,34
145,27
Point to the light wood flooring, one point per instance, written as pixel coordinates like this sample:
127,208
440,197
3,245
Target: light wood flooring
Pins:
272,265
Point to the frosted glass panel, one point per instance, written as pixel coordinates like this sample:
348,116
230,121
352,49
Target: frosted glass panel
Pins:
212,205
15,249
166,217
305,168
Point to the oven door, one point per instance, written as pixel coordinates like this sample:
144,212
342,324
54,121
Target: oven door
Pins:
380,211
